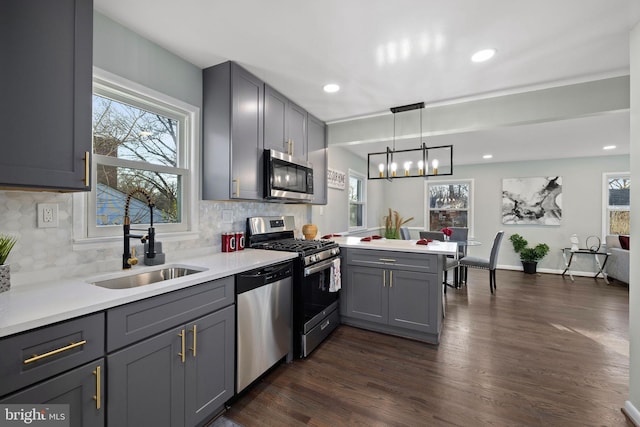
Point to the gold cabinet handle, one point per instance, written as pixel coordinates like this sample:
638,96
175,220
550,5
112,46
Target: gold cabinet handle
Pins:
195,336
237,189
182,354
86,168
387,260
97,396
391,278
384,279
37,357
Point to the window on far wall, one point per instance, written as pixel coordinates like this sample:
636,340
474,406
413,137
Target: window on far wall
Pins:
140,140
617,188
448,204
357,200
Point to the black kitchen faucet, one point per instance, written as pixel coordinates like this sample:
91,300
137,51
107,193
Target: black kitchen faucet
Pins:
127,259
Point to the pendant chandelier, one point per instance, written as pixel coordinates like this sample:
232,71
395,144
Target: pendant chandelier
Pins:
421,162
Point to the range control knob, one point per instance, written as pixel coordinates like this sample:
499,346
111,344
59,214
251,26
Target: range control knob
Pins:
335,251
313,258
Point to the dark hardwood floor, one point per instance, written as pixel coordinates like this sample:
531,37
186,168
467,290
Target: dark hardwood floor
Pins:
542,352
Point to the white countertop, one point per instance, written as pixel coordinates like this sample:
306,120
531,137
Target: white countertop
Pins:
435,247
38,304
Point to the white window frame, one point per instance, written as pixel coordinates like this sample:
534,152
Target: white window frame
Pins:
363,202
124,90
470,209
605,198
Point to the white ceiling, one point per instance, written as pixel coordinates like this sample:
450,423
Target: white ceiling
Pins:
387,53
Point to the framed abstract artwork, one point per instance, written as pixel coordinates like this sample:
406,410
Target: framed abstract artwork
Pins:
536,200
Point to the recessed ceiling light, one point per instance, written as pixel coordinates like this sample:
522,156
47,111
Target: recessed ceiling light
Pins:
488,156
609,147
483,55
331,88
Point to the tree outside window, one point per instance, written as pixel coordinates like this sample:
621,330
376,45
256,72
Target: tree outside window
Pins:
141,139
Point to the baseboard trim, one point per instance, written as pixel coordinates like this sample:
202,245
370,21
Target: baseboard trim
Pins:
631,413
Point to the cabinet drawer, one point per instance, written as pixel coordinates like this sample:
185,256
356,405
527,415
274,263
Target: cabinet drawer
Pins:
35,355
132,322
392,259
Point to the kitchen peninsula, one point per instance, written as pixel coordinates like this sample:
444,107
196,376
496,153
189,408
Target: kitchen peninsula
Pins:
394,286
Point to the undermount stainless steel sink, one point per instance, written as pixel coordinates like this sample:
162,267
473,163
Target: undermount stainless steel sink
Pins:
147,277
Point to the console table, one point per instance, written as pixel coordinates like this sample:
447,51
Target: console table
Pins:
595,254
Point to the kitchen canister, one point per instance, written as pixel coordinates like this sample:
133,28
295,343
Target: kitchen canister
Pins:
228,242
239,240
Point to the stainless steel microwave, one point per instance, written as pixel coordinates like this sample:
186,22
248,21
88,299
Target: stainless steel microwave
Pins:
287,178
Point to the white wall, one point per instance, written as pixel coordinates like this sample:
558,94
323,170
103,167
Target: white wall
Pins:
632,406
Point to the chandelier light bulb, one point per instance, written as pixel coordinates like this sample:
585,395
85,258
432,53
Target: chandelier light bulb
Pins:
394,167
407,168
381,169
434,165
420,167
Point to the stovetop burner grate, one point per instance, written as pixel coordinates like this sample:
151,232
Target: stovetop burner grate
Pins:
296,245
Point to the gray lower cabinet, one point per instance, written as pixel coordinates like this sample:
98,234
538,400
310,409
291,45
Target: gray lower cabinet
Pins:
318,157
81,388
180,377
59,363
171,357
232,147
45,82
393,292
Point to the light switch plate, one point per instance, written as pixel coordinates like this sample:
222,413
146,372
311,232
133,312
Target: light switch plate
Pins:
47,215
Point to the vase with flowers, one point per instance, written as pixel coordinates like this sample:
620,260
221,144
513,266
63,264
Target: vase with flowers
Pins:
6,245
392,224
447,233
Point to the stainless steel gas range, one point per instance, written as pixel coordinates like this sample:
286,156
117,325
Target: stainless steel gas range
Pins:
315,303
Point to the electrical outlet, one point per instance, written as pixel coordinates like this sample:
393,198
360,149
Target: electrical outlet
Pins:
47,215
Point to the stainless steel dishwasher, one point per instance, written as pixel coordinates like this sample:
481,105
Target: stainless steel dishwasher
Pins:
263,334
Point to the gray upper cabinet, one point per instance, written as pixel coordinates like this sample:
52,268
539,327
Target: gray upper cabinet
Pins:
285,124
318,157
233,134
45,87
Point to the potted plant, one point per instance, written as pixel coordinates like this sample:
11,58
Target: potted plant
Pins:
528,256
392,224
6,244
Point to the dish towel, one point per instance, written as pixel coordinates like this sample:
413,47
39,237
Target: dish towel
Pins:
335,283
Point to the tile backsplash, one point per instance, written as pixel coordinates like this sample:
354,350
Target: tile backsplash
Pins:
50,253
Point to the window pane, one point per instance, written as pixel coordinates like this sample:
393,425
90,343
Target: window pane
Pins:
355,189
449,196
128,132
619,222
355,215
113,185
439,219
619,191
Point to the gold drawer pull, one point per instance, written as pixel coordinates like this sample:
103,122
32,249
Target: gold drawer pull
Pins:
182,354
37,357
97,396
195,333
391,278
387,260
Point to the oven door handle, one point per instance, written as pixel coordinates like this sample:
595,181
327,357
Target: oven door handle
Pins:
318,267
